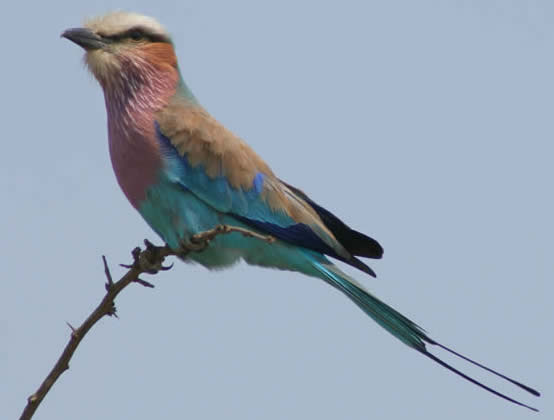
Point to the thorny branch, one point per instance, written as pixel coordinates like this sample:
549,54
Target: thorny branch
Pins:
150,261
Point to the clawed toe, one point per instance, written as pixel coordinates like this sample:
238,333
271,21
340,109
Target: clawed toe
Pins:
150,260
194,244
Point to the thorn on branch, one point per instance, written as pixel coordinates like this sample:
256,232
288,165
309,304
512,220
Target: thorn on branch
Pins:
112,311
109,284
144,283
73,330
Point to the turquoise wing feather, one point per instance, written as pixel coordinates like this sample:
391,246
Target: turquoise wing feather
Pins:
218,168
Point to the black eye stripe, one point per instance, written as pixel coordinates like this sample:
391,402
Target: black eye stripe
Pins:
137,34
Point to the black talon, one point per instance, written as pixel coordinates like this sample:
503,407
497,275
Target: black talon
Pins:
149,261
149,245
135,253
166,267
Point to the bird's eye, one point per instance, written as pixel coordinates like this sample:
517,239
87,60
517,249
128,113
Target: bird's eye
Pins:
136,35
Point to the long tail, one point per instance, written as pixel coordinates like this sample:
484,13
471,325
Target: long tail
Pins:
406,330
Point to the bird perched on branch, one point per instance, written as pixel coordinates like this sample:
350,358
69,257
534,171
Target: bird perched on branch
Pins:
185,173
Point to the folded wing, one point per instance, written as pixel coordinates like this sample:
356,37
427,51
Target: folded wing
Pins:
219,168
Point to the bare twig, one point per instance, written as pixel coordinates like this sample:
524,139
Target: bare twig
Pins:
150,260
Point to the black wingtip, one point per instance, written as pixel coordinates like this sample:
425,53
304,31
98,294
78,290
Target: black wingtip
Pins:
355,262
474,381
354,242
362,245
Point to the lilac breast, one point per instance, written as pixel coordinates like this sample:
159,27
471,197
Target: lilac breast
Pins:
131,103
136,161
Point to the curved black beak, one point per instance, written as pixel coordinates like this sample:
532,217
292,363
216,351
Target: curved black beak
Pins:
85,38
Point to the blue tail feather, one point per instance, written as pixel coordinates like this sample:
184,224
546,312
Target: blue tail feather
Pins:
393,321
404,329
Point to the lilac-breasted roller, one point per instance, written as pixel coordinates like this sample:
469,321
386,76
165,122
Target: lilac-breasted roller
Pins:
185,173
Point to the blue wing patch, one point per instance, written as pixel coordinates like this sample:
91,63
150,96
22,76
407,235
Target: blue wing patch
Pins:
217,191
259,182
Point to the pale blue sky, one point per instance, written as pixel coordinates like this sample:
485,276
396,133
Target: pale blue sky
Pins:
427,125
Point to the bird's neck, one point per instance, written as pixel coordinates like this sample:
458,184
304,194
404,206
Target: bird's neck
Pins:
185,93
131,103
136,93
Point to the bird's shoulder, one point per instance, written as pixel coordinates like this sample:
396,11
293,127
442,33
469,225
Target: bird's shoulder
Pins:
202,140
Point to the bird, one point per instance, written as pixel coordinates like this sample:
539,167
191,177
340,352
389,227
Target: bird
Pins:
185,173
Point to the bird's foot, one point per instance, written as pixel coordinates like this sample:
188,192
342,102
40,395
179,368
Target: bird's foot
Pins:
150,260
196,243
200,241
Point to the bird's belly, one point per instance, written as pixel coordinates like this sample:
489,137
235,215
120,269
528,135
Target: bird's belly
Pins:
177,214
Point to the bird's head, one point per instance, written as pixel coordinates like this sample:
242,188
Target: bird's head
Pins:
125,47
